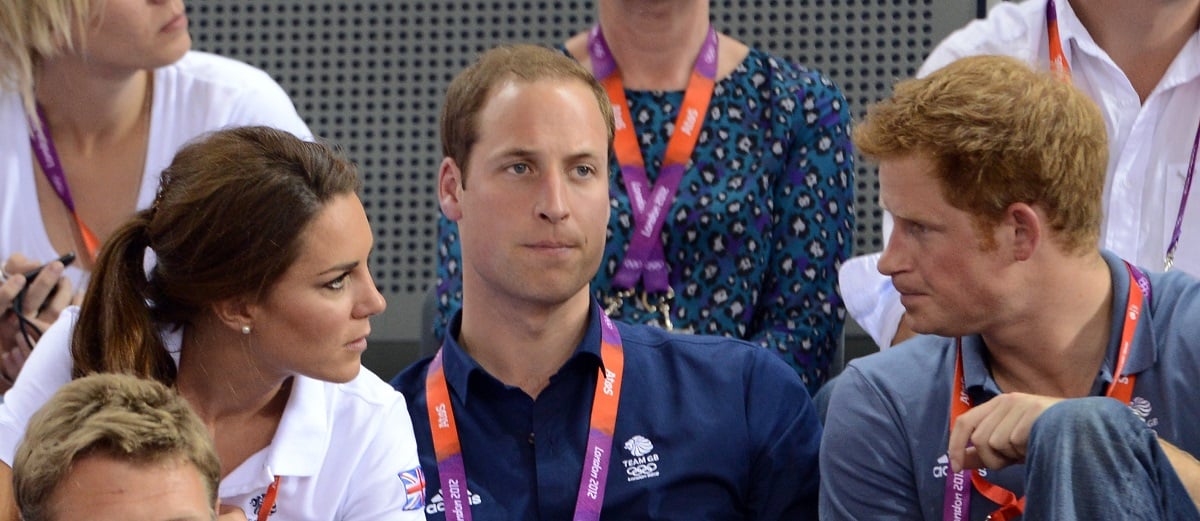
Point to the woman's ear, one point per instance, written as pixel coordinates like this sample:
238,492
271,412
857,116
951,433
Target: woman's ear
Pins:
236,313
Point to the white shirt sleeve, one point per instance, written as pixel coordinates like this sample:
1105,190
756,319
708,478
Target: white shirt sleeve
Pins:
378,490
870,298
47,369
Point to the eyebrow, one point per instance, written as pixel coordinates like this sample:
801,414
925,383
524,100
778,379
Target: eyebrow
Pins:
340,268
524,153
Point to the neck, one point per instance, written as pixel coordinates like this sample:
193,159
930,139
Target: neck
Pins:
85,105
523,344
1142,37
654,42
219,379
1056,345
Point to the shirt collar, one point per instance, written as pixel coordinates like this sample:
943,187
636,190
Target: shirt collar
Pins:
976,375
1184,68
302,437
1144,352
1142,356
459,366
1074,35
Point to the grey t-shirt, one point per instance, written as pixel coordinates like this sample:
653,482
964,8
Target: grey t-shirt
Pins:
884,447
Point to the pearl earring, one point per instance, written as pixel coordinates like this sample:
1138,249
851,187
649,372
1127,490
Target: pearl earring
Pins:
245,330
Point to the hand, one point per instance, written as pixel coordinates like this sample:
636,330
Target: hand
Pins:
231,513
998,431
39,308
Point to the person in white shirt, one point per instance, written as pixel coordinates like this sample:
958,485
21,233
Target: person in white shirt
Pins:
1139,60
98,95
245,286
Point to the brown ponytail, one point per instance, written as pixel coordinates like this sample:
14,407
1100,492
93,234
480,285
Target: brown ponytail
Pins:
116,331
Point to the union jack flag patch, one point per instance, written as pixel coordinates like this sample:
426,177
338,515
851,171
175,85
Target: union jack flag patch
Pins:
414,488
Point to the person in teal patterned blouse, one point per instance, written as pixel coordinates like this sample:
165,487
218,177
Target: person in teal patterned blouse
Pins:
762,214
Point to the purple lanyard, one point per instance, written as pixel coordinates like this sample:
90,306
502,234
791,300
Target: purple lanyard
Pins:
1169,258
644,258
47,157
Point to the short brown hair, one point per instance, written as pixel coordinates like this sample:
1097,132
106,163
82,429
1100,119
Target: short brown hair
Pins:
128,418
1000,133
471,89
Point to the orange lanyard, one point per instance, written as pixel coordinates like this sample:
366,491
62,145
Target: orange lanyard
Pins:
1058,58
264,511
1121,389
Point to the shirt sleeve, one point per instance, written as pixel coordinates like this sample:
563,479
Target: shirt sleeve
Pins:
865,469
786,434
801,313
871,298
267,104
47,369
388,484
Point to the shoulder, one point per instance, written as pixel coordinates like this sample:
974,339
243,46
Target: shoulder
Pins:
204,92
1012,29
217,71
368,391
786,75
1176,301
706,360
904,376
411,381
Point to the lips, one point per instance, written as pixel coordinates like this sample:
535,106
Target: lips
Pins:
359,344
176,23
553,245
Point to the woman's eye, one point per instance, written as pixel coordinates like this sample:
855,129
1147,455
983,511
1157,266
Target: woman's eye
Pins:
339,282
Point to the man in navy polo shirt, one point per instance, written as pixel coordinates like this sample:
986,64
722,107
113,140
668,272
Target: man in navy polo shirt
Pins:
994,174
538,406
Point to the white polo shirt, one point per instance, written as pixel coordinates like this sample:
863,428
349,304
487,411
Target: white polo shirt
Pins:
1149,147
342,451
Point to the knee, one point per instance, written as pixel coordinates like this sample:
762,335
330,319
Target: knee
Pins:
1082,419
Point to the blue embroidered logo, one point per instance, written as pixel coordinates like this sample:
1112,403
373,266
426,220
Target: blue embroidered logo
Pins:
257,502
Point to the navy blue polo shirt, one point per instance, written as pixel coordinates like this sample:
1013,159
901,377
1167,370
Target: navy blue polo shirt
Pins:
707,428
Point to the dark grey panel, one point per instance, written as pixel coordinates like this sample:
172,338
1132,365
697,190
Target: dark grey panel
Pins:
369,76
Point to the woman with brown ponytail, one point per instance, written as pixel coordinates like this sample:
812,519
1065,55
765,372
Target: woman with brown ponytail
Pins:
246,287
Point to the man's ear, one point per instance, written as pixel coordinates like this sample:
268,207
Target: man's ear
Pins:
236,312
450,186
1027,227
